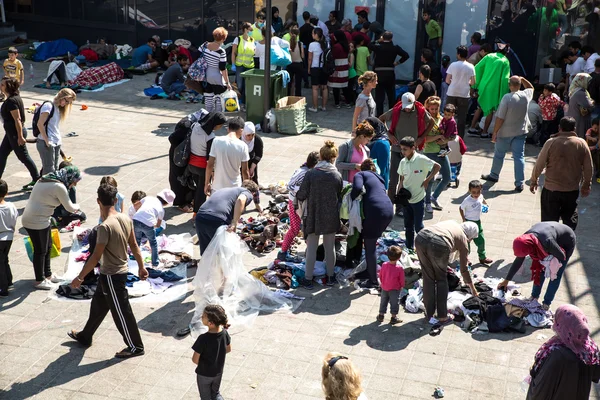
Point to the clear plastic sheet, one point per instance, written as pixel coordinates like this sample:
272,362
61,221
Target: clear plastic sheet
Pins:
222,278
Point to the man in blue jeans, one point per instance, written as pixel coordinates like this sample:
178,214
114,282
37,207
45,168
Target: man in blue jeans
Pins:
510,130
173,80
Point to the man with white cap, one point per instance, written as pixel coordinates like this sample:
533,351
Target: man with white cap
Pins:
408,118
227,155
434,246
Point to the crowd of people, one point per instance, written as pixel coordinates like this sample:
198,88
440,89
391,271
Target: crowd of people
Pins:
389,161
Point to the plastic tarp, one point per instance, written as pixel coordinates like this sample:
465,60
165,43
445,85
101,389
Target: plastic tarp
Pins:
221,278
55,48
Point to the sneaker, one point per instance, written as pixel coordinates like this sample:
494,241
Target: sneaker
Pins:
3,293
348,106
489,178
485,135
323,108
400,212
436,205
473,132
428,209
332,280
29,186
444,152
338,106
312,109
128,353
70,227
183,332
11,287
519,189
395,320
545,306
44,285
457,181
306,284
367,285
379,318
55,279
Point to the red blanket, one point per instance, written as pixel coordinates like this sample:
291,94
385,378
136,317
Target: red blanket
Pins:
99,75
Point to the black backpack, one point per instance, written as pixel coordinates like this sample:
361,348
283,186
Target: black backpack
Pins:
36,118
329,64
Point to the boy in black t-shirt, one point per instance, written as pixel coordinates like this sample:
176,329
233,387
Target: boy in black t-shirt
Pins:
209,352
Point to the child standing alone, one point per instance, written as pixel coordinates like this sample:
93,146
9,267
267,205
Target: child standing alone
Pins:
470,210
209,352
13,68
8,221
391,275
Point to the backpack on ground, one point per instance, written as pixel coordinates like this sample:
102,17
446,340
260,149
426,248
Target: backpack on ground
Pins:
36,118
329,63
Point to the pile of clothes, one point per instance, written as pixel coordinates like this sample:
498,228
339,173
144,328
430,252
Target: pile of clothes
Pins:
262,234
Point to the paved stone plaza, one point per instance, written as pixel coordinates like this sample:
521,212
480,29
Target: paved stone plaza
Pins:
124,134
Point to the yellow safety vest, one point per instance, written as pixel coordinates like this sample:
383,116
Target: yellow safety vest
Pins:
245,52
256,33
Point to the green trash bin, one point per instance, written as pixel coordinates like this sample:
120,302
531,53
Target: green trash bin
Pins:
255,80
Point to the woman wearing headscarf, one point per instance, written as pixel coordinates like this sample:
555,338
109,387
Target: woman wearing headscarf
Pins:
48,193
320,194
566,365
580,103
255,149
380,148
200,142
277,21
183,193
434,246
544,239
377,210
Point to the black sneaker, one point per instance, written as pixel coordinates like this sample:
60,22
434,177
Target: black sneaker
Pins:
183,331
3,293
128,353
29,186
380,318
519,189
332,280
306,284
489,178
485,135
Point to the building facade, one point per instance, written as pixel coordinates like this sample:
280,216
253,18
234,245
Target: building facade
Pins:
530,26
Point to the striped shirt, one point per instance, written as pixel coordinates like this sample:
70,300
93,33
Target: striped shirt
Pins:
216,62
339,79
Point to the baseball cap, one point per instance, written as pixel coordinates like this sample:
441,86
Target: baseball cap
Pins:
408,101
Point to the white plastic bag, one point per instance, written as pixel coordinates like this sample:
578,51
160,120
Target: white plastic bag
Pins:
229,101
271,122
222,278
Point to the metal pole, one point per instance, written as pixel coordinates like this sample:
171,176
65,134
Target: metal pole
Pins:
267,63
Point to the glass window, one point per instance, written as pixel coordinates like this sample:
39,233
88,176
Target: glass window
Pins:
150,15
401,18
54,8
103,11
350,9
320,8
463,19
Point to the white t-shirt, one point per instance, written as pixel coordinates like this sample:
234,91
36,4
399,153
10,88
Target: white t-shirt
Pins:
589,64
199,140
472,208
52,129
461,72
315,48
229,155
150,211
575,68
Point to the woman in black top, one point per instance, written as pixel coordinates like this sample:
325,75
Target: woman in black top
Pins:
255,148
542,240
13,115
426,88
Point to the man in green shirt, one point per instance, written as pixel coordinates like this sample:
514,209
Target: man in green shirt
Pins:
561,9
434,32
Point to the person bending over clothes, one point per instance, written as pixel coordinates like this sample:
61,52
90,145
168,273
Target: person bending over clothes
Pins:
255,149
321,193
549,245
378,212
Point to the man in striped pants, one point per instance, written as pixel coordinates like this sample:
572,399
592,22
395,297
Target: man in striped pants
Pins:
113,236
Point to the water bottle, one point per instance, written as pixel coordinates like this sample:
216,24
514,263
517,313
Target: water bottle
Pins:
31,75
484,208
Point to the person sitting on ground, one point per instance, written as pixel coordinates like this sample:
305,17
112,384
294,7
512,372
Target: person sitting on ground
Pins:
591,137
341,378
354,151
542,240
141,58
173,79
13,68
566,365
470,210
223,207
295,220
321,193
391,275
8,223
149,215
435,244
255,149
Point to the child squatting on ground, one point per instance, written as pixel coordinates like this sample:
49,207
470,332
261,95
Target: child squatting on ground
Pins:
470,210
8,222
209,352
391,276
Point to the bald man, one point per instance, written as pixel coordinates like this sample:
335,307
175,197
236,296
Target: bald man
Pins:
510,130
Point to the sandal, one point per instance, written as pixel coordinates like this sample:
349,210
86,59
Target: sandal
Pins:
448,321
74,335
